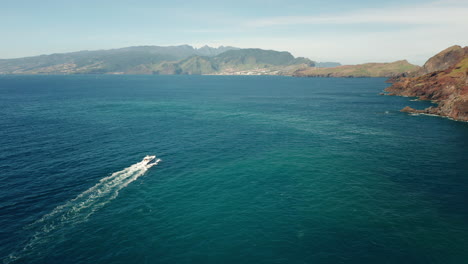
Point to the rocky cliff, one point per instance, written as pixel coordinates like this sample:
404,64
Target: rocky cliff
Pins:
443,79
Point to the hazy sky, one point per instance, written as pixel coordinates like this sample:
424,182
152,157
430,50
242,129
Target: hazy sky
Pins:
327,30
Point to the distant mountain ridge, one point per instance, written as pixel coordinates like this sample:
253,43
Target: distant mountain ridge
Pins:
327,64
183,59
360,70
210,51
236,61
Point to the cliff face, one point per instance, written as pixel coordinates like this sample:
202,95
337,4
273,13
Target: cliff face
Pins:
361,70
443,60
443,79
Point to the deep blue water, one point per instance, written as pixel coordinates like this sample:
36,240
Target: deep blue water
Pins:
255,170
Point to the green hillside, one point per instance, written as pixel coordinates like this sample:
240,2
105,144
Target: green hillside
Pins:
360,70
237,61
136,60
159,60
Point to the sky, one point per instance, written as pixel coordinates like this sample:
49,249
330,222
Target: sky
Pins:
349,32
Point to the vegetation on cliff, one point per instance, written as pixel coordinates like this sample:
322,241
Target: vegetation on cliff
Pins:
443,79
361,70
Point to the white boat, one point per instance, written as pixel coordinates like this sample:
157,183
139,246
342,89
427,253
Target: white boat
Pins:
150,160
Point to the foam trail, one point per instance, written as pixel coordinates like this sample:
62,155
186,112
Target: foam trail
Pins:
81,207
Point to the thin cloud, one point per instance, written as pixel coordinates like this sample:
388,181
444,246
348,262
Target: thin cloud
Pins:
436,13
413,44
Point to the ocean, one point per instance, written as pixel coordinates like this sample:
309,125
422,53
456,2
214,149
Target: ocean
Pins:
255,169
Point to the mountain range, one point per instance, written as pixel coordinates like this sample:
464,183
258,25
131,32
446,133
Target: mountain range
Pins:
183,59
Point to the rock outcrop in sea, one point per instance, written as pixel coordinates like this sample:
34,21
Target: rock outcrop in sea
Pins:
443,79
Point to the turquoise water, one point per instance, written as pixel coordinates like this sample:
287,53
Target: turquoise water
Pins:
254,170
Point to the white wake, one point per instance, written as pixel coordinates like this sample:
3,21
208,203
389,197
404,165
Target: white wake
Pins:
80,208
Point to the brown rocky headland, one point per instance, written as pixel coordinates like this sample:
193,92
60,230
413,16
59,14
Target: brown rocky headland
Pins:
443,79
